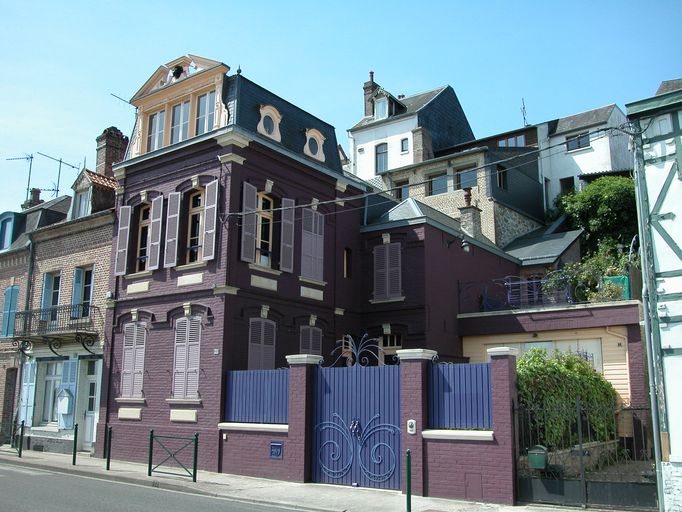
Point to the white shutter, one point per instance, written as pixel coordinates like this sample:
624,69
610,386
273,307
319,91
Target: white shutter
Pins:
122,241
249,205
193,351
170,254
128,360
138,364
155,233
394,287
380,272
180,360
286,252
210,218
255,343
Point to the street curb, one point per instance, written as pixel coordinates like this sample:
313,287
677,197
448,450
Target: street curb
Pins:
155,483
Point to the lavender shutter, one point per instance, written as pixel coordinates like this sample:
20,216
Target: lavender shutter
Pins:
315,341
210,218
286,252
180,361
122,241
128,360
255,343
138,359
307,244
155,233
394,287
268,359
305,340
170,255
318,251
249,205
380,272
193,351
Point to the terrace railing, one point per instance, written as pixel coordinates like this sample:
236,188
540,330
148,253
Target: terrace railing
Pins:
76,318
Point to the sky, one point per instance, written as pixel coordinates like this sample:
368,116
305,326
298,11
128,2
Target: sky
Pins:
64,60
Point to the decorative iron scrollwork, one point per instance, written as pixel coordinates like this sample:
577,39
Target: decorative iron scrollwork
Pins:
54,344
87,341
23,346
363,353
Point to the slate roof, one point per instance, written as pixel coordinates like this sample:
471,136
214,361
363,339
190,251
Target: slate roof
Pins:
540,247
102,181
669,86
413,104
410,208
579,121
44,214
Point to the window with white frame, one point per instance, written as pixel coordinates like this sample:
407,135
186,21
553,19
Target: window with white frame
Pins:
143,238
311,340
404,145
194,227
81,296
261,344
155,127
6,232
381,108
186,360
312,245
81,204
179,122
132,372
387,271
205,112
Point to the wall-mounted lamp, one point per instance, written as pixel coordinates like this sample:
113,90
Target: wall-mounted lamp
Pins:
466,246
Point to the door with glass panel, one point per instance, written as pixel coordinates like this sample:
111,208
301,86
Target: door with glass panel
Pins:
91,411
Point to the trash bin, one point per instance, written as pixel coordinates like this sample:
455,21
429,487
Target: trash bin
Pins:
537,457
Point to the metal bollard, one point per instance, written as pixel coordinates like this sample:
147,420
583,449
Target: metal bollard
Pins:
108,446
408,478
75,443
196,451
21,438
151,451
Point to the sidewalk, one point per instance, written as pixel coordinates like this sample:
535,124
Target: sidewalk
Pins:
316,497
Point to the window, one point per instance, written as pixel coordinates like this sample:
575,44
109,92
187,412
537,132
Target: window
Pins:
132,374
53,378
269,123
387,271
466,178
578,142
81,296
438,184
6,232
186,360
390,344
311,340
155,130
194,225
402,190
261,344
381,108
180,122
9,310
502,178
81,204
143,238
567,185
404,147
314,144
381,157
205,112
264,224
347,263
512,142
312,245
50,298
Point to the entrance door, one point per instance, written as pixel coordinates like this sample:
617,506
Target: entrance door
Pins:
91,412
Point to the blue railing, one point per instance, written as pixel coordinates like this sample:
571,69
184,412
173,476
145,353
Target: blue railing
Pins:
460,396
257,396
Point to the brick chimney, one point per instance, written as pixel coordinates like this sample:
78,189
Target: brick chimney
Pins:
470,217
422,145
111,148
34,200
369,87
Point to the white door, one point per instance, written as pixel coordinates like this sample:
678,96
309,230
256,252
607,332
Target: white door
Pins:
91,411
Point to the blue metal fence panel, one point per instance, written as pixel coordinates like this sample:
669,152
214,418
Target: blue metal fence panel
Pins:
460,396
356,426
257,396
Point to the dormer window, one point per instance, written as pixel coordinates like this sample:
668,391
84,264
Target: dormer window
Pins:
6,232
155,130
180,122
313,146
205,112
269,122
381,108
81,204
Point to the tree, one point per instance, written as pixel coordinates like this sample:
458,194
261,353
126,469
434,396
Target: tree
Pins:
606,210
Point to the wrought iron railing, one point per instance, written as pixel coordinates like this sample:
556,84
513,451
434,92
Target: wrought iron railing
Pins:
57,320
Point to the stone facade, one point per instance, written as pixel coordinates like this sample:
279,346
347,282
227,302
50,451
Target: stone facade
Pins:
510,224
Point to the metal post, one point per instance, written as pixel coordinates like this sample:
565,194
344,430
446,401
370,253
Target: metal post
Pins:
408,483
107,446
151,451
580,447
106,442
21,438
75,443
196,452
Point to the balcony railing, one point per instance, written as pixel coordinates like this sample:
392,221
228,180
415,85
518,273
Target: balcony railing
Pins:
57,321
512,292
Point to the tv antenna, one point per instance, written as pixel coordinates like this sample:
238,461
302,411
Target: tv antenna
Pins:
59,172
30,166
523,112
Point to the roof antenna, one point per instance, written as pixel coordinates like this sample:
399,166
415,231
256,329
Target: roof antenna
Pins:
59,172
29,158
523,112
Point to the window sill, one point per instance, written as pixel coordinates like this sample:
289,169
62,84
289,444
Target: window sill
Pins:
191,266
578,150
265,270
312,281
384,301
183,401
138,275
130,400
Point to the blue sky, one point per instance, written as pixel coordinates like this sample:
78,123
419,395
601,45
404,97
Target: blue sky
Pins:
62,61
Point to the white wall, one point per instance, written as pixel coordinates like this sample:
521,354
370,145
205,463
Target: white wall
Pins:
362,144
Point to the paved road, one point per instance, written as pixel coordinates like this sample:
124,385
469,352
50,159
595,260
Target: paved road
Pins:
32,490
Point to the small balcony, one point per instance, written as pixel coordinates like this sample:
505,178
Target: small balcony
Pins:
513,292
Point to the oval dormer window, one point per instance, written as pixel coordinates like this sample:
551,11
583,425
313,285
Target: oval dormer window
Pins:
314,144
269,122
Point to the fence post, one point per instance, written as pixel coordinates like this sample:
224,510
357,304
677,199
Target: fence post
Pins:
151,451
408,479
21,438
196,451
579,418
75,444
107,446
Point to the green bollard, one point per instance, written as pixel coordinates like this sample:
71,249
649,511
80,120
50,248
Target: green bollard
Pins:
408,483
108,446
151,451
21,438
75,444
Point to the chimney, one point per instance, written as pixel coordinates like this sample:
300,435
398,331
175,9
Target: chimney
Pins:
369,88
34,200
111,148
470,217
422,145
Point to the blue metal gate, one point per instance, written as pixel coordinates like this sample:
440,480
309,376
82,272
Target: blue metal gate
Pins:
356,433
